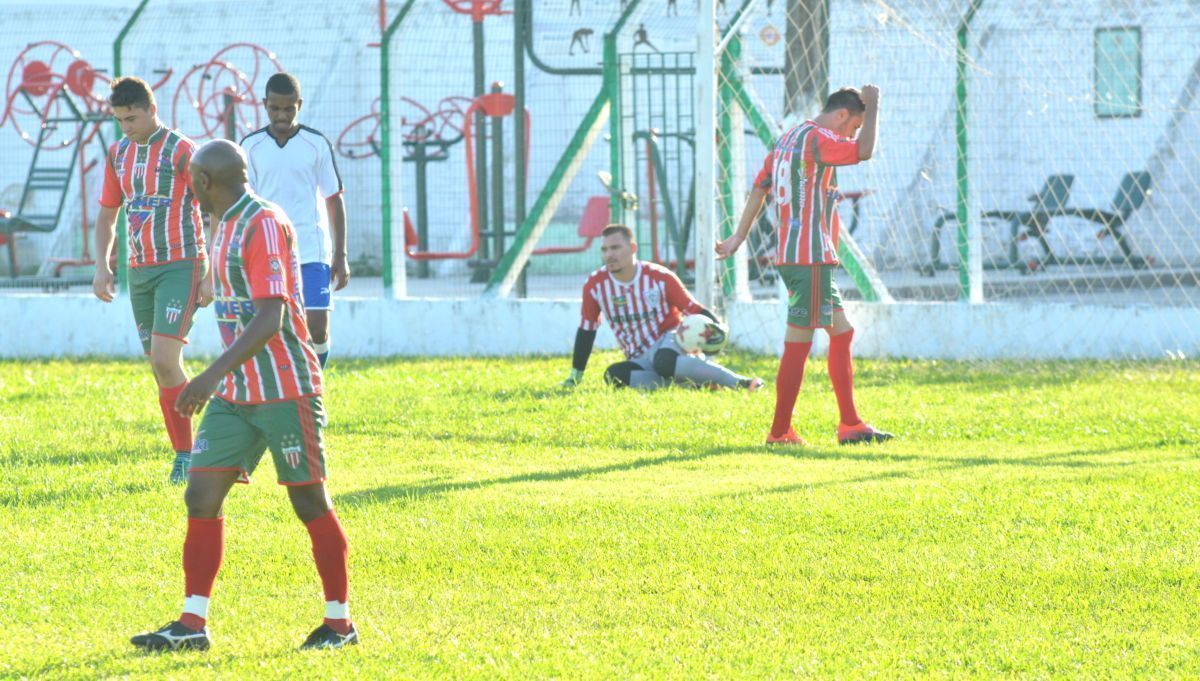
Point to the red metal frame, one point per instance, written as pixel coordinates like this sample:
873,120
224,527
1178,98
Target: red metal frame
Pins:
477,9
219,77
496,104
596,216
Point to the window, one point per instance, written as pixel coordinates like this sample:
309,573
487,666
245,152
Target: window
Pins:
1118,72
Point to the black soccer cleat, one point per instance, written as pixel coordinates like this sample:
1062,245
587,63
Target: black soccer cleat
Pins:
172,636
324,638
862,432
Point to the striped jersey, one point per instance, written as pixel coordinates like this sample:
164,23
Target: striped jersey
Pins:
254,256
152,181
641,311
801,171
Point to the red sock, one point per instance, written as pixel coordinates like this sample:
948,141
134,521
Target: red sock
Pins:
331,551
841,375
179,428
202,552
787,384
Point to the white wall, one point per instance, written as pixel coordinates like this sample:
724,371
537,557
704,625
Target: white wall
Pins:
74,325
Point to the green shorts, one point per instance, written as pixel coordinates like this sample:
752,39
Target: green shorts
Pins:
233,437
813,295
164,298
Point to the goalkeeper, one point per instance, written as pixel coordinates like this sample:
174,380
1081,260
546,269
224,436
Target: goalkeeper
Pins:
643,303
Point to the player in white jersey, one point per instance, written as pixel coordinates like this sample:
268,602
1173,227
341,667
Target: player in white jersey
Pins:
292,165
643,303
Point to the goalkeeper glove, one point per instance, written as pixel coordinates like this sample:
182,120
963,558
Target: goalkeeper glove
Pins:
574,379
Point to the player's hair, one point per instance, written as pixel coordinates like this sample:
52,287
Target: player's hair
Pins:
623,230
283,84
130,91
847,98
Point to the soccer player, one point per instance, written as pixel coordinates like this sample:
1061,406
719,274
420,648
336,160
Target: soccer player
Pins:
293,166
802,173
643,303
147,172
268,385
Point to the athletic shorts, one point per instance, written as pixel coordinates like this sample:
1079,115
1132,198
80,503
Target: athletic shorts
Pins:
316,278
164,298
234,437
668,342
813,295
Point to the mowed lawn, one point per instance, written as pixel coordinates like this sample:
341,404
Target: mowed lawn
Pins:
1032,520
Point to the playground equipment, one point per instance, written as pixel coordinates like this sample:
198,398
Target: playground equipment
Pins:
219,98
495,106
50,103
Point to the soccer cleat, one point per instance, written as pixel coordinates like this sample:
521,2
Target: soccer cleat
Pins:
324,637
862,432
179,469
751,384
788,438
172,636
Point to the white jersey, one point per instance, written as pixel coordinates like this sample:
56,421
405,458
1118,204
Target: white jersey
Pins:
297,176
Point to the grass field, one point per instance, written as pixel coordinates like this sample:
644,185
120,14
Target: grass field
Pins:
1033,520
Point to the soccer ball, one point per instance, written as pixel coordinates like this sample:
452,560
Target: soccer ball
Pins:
698,333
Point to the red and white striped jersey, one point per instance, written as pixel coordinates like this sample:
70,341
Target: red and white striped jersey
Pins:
801,172
641,311
255,257
152,181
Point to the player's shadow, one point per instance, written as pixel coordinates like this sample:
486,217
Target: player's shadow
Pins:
17,497
436,488
406,493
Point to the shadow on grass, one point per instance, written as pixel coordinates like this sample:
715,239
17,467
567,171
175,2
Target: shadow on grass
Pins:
405,493
21,498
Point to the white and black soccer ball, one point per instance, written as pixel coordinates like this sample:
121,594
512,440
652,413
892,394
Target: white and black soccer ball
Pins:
698,333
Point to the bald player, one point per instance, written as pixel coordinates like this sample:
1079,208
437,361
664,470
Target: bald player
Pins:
268,396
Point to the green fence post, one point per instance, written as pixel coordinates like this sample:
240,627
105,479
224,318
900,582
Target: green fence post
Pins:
513,261
612,87
385,148
725,103
962,179
122,226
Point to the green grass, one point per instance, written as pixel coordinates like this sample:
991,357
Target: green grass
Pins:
1033,520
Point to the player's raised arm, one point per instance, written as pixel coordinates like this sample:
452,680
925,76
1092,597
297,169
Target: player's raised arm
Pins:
870,125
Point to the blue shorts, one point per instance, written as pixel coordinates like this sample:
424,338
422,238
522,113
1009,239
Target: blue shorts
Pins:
316,278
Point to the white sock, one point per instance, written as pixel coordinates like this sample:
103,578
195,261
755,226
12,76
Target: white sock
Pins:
196,605
336,610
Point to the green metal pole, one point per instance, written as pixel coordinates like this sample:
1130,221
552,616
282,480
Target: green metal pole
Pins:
549,199
481,150
520,12
729,59
122,226
962,184
612,86
385,150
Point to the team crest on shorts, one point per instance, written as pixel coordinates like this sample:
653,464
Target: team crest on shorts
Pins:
292,451
143,333
173,311
826,310
798,311
200,446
